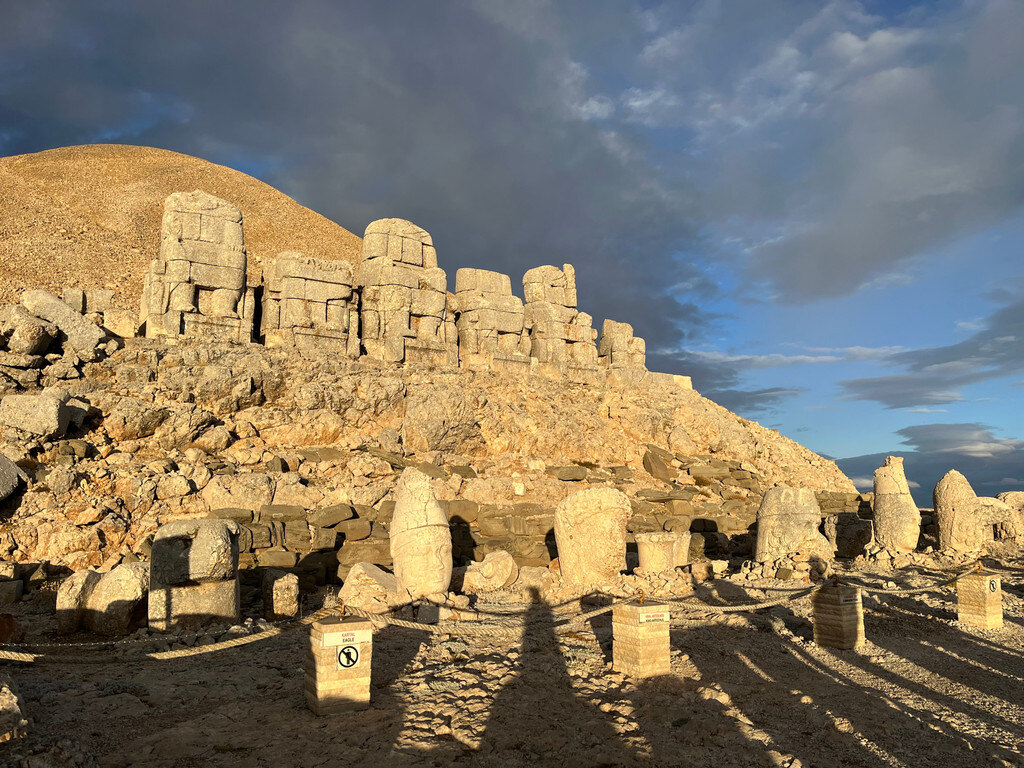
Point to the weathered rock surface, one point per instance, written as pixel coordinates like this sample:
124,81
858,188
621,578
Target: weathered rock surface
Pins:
112,603
968,523
10,477
195,550
13,719
897,519
83,336
45,415
369,587
590,532
498,570
787,525
421,542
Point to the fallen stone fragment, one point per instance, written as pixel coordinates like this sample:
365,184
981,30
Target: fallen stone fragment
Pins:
498,570
590,533
46,415
13,722
10,475
83,336
111,604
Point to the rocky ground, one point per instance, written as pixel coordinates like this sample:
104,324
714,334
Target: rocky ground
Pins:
748,689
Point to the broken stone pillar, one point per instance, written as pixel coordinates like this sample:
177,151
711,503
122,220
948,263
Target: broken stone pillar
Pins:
561,335
619,348
194,574
640,639
838,617
112,603
490,322
966,522
309,304
590,533
979,601
280,595
787,525
421,541
338,665
406,314
897,519
661,551
498,570
198,285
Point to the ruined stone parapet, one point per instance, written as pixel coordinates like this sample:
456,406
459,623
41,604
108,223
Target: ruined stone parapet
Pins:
619,348
197,286
490,322
407,314
560,334
309,303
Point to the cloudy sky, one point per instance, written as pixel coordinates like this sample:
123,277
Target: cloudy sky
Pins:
815,209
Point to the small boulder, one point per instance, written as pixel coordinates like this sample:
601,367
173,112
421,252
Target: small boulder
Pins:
45,415
83,336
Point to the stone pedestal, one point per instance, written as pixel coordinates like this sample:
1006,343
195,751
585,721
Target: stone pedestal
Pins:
662,551
838,617
640,639
194,605
338,665
979,601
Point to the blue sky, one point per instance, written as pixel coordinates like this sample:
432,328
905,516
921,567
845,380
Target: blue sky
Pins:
815,209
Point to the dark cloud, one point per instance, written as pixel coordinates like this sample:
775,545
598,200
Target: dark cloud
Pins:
935,375
473,121
992,464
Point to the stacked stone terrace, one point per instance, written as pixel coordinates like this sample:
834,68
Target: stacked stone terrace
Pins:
393,307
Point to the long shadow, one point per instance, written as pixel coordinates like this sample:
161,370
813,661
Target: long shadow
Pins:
538,718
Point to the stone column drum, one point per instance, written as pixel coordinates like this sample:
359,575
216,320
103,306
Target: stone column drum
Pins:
590,533
662,551
897,519
421,541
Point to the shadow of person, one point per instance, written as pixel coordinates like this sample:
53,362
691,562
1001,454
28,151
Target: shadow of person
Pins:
538,718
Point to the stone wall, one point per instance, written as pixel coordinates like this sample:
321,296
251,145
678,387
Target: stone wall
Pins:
492,332
560,334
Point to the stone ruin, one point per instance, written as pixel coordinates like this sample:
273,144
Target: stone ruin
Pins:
406,313
491,322
967,522
560,334
897,519
393,307
197,286
309,304
787,529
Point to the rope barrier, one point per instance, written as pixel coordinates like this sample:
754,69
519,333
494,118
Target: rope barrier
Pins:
974,568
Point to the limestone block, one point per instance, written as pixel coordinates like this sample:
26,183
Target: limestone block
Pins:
11,475
897,519
498,570
641,645
387,272
122,323
370,588
590,533
838,617
46,415
83,335
280,595
193,605
251,491
979,601
26,333
186,551
428,303
787,524
421,542
112,603
482,280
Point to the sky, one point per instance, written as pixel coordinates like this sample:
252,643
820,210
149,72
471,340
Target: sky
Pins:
815,209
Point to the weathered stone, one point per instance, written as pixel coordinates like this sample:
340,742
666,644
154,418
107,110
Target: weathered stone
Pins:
13,719
46,415
194,605
83,336
897,519
369,587
26,333
662,551
421,542
848,534
280,595
253,491
112,603
590,532
328,517
437,419
498,570
186,551
787,525
968,523
10,476
658,468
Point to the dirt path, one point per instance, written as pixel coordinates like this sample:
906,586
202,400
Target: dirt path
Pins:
747,690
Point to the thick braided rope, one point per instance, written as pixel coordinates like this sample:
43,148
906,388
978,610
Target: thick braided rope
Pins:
974,568
234,642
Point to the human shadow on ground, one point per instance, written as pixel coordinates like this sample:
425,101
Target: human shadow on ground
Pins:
538,718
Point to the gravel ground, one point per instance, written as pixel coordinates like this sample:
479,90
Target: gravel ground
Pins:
748,689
